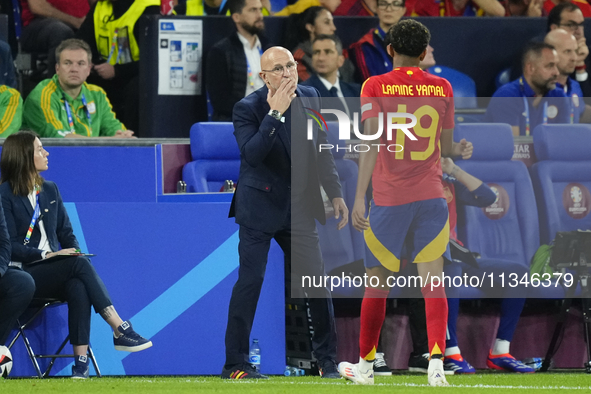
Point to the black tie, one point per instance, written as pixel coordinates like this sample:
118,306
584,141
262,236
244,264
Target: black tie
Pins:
334,92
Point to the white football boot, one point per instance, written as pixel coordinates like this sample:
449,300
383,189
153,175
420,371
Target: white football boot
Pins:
354,374
435,373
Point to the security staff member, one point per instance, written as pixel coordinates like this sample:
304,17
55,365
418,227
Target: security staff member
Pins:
112,30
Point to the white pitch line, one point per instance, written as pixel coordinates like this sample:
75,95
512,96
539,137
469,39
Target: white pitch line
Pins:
480,386
342,383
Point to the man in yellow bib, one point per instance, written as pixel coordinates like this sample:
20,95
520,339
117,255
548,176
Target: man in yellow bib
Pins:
112,30
66,106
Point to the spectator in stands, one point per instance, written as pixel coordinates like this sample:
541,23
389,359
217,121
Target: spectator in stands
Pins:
66,106
201,7
46,23
357,8
234,63
369,53
525,8
566,46
582,4
7,73
458,8
11,111
302,5
568,16
327,57
366,8
212,7
16,286
315,21
463,188
64,274
112,30
533,98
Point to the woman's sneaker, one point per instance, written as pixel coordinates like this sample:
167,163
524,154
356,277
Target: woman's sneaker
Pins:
80,368
129,340
380,368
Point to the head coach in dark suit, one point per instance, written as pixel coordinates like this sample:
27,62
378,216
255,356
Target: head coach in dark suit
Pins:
278,197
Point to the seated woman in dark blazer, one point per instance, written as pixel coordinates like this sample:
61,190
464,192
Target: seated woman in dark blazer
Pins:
30,202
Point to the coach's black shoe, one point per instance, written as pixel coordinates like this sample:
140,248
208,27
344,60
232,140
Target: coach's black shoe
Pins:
242,371
328,369
420,363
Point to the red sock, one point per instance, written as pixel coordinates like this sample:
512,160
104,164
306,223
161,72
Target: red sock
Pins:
436,313
373,311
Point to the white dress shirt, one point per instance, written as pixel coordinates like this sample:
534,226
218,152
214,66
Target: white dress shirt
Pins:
253,59
337,85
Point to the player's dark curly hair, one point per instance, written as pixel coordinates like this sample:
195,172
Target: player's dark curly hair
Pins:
408,37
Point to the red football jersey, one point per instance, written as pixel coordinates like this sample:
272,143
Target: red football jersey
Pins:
413,173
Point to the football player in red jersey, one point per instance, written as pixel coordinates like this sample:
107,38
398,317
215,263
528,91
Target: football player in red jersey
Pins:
408,214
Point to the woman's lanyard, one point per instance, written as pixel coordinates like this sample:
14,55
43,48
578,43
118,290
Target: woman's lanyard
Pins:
526,109
71,118
35,217
249,70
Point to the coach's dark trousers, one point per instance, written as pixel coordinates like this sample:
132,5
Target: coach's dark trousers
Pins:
74,280
299,242
16,291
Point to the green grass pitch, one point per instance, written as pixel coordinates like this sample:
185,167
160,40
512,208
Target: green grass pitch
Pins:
488,383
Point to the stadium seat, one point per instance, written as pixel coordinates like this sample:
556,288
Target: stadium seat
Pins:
464,87
562,178
216,157
503,77
506,233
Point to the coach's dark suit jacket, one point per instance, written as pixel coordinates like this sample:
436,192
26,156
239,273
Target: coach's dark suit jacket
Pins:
226,75
19,212
348,89
263,196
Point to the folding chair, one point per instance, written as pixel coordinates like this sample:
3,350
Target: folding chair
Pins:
40,304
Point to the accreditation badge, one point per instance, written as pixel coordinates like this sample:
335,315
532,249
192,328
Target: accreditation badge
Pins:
552,111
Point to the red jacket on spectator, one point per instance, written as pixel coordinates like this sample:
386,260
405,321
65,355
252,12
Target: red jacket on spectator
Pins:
360,8
444,8
582,4
76,8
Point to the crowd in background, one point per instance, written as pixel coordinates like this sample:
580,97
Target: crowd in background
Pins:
232,66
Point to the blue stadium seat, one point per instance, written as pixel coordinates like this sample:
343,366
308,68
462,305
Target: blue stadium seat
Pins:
464,87
562,178
216,157
503,77
506,233
347,245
